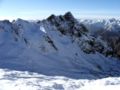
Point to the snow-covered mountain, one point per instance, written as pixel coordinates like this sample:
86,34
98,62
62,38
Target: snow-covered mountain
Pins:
59,46
108,29
97,24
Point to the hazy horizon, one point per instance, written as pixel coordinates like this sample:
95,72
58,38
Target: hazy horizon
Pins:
41,9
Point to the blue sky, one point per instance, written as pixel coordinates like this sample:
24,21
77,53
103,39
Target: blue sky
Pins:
39,9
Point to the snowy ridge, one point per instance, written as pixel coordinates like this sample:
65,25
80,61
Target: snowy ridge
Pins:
107,24
57,46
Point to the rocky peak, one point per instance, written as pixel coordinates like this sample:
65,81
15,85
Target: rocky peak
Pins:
67,24
69,17
51,17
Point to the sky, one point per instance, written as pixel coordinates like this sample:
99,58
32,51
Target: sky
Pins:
40,9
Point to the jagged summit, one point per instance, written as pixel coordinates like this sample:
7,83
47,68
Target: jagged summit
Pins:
67,24
51,17
68,16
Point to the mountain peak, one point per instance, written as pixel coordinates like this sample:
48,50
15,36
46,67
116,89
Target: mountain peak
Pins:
68,13
69,16
51,17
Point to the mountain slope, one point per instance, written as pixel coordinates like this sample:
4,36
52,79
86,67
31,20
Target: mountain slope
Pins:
108,30
59,45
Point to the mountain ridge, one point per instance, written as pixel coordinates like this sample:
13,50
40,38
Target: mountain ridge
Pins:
58,45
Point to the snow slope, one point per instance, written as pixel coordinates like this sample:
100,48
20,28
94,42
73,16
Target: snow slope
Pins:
57,46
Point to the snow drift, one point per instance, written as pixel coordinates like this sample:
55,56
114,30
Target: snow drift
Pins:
19,80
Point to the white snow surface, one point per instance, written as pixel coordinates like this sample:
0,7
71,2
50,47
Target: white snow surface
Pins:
19,80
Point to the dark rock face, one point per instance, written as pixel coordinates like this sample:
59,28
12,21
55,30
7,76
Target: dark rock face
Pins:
67,24
69,17
50,18
113,40
49,40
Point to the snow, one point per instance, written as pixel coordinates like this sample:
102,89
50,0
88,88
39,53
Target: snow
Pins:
19,80
56,58
42,29
24,46
106,24
103,84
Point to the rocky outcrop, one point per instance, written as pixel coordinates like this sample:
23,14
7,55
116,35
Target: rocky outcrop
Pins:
112,38
67,24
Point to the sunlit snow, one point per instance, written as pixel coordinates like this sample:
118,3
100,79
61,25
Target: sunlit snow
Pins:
42,29
19,80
